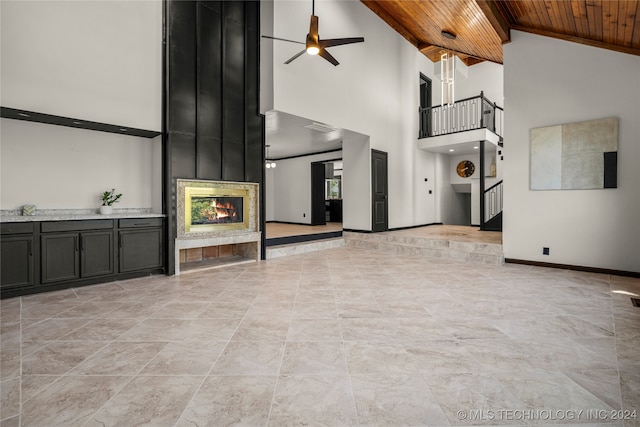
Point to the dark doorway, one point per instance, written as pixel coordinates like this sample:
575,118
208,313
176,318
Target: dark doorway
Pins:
318,208
425,103
379,190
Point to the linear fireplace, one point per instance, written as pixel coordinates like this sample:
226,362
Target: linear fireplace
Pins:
211,209
217,224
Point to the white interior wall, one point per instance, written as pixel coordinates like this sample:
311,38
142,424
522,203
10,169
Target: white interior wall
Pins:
290,183
374,91
356,183
595,228
56,167
99,61
447,203
484,77
93,60
270,194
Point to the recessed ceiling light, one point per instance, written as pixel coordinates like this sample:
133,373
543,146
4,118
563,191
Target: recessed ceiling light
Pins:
451,149
448,35
24,115
475,148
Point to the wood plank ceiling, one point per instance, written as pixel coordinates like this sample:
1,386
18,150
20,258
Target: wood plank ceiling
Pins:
482,26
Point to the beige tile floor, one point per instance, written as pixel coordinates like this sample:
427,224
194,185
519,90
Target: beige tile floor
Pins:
336,337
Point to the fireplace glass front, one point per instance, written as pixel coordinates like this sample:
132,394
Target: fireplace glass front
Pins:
211,209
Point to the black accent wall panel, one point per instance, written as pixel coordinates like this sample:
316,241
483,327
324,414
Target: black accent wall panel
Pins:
216,6
209,158
181,67
254,153
234,10
233,82
210,74
233,164
213,127
254,125
183,155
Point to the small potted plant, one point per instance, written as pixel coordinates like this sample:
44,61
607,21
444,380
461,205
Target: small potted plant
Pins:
108,199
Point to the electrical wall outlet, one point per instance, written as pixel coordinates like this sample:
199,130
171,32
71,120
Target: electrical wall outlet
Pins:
545,251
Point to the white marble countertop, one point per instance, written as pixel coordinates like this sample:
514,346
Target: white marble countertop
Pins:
72,217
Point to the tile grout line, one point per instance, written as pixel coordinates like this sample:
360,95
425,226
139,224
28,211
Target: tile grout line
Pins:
284,350
131,377
346,360
180,417
615,337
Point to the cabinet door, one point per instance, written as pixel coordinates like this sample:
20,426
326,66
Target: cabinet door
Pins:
16,261
60,258
96,253
140,249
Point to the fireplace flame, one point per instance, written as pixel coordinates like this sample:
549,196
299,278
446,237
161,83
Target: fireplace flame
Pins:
225,210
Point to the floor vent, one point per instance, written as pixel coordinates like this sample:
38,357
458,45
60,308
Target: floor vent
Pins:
635,302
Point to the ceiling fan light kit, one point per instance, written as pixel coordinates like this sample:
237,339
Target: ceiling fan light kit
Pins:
315,45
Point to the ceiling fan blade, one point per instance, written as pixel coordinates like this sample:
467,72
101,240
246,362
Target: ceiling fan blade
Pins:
284,40
295,56
326,55
339,42
313,27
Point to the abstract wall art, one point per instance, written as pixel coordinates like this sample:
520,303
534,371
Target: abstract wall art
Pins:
575,156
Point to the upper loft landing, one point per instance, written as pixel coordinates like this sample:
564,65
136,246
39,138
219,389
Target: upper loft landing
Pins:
464,123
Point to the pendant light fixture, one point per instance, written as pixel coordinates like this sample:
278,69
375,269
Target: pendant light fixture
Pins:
269,164
447,75
448,72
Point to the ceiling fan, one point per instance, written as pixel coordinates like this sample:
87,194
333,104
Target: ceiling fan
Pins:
314,44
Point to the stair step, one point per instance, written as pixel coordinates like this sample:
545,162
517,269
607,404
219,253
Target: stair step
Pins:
486,253
303,248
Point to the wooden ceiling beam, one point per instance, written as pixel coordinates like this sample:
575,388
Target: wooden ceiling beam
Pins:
496,19
594,43
432,51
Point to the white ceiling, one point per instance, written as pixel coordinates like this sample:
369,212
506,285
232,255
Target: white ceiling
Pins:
287,136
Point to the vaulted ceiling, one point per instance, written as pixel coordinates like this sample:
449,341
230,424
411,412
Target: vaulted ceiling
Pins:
482,26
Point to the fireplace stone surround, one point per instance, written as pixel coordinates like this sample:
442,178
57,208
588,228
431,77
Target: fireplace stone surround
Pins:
198,250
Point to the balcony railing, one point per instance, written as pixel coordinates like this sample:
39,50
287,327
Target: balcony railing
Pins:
467,114
492,202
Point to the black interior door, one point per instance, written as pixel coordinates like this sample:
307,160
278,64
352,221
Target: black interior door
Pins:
318,208
425,102
379,190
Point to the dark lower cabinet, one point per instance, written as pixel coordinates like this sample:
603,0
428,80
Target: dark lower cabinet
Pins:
69,256
50,255
140,249
16,261
96,254
60,257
